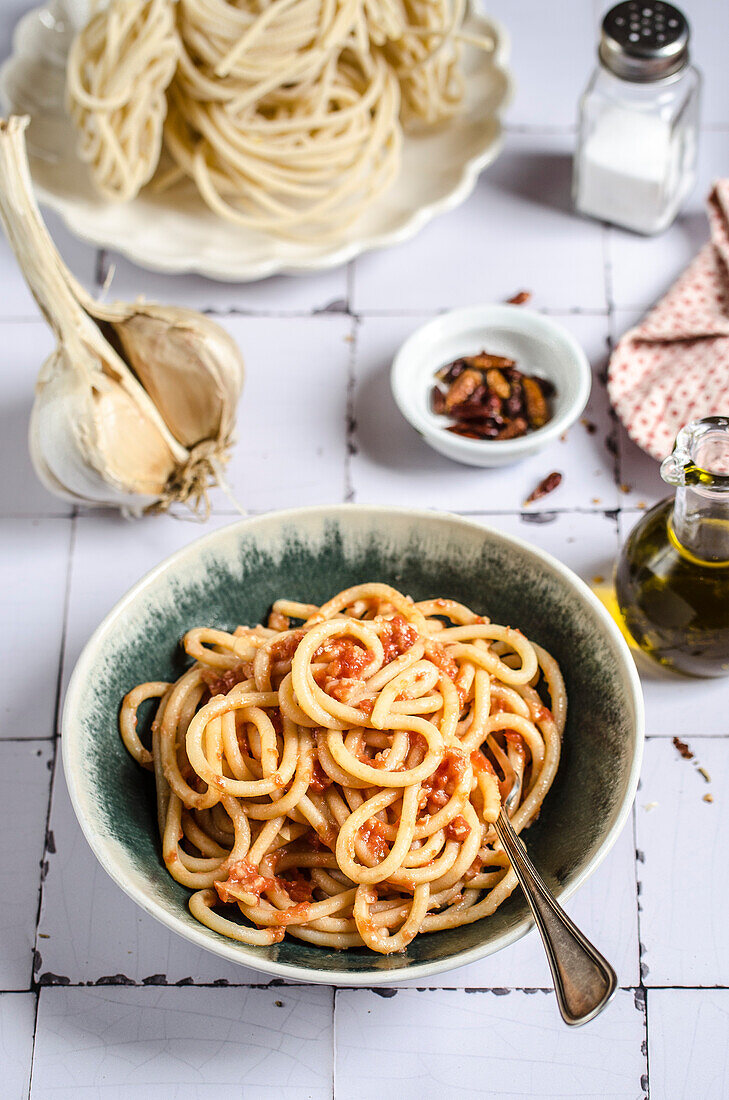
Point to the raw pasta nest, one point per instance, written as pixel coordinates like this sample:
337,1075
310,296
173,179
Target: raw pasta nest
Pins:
287,115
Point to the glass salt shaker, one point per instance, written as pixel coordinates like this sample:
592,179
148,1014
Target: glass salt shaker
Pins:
638,127
672,577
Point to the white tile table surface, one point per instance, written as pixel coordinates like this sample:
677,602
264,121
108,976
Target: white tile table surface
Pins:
96,999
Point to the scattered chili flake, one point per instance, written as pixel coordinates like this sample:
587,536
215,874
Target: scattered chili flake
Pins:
588,425
641,504
683,748
546,485
708,798
520,298
598,579
596,500
625,488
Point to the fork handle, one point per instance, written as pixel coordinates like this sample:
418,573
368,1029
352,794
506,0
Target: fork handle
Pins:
584,981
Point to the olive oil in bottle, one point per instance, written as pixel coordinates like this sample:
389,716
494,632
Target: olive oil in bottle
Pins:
672,578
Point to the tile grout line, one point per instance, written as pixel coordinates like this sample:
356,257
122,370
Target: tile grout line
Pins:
436,311
586,509
334,1042
641,990
528,513
277,984
694,736
641,997
54,756
26,740
611,316
348,311
37,515
350,448
56,707
392,990
66,607
647,1050
36,994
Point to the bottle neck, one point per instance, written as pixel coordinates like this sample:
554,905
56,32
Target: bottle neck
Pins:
700,524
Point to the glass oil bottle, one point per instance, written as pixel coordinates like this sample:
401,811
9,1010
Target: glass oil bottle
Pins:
672,578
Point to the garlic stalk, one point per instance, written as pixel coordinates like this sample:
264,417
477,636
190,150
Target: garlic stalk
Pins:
135,408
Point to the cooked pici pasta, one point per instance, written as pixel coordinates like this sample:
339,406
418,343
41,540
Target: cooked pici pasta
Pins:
335,775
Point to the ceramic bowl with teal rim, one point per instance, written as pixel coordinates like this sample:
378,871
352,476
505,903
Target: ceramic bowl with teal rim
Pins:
232,576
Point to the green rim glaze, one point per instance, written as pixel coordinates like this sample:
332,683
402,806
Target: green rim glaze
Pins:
233,576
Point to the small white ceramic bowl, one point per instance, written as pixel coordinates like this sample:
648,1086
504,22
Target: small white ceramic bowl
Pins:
538,344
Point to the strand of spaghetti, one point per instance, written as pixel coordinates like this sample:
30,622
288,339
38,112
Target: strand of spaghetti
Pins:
189,688
128,719
379,777
198,644
406,828
202,905
380,940
555,686
250,704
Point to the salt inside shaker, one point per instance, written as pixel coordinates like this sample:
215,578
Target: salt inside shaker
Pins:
636,152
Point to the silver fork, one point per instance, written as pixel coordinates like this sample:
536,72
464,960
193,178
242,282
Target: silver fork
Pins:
584,981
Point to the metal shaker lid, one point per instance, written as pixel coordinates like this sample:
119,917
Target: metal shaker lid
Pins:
644,42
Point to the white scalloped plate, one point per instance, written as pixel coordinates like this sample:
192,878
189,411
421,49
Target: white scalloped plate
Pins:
176,232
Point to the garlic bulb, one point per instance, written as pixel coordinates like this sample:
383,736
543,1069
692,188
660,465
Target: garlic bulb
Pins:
135,408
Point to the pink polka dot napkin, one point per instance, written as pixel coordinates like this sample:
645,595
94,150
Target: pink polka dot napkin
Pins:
674,366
